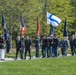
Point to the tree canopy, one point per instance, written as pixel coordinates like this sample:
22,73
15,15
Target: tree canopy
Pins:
30,9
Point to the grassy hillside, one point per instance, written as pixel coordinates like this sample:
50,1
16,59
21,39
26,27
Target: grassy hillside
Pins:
49,66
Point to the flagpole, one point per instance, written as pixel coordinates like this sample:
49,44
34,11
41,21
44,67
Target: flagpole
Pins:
11,28
45,7
11,25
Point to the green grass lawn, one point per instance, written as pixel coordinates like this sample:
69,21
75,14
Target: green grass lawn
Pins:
44,66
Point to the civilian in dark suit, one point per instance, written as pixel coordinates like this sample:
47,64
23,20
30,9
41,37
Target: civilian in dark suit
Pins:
18,48
27,46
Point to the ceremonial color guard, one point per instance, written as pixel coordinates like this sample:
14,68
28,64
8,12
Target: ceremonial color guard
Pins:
28,43
18,48
55,46
37,46
2,51
44,46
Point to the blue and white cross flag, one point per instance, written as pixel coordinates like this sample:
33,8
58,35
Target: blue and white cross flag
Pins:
53,20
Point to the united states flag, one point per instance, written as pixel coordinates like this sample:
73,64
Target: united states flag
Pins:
38,27
22,26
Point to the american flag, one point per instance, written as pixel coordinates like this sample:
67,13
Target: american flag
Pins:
38,28
22,26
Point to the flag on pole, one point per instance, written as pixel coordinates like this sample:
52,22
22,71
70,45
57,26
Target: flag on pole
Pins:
53,20
22,26
38,27
51,29
65,33
4,26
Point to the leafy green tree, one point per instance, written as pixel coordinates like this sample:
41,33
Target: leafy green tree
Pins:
30,9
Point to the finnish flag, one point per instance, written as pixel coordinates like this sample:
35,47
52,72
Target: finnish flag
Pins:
53,20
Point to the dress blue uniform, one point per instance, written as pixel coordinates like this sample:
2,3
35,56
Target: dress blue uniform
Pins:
71,44
1,48
64,47
49,46
8,44
22,44
1,43
37,41
61,46
74,45
44,46
55,45
28,43
18,49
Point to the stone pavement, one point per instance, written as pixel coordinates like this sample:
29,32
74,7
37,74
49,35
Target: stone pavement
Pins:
13,59
27,58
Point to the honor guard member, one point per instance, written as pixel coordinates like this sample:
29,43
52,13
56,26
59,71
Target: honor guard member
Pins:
64,46
8,43
22,44
48,47
37,46
18,48
44,46
61,46
74,45
51,43
1,47
71,45
55,45
28,43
